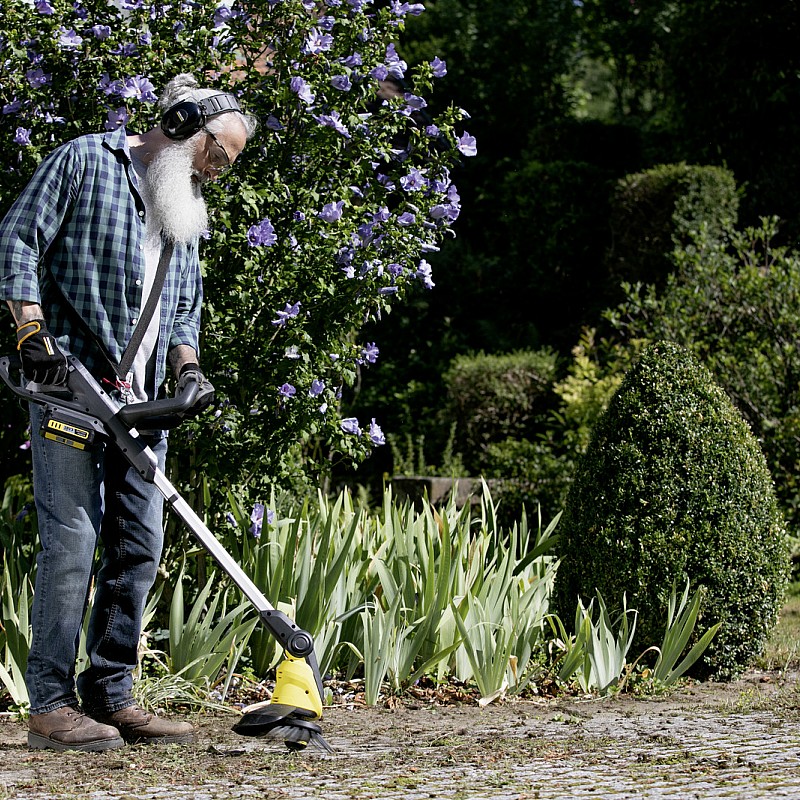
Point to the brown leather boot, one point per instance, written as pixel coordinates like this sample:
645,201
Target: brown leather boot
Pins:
67,728
137,726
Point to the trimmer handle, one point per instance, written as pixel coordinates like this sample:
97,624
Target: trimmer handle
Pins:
31,391
157,414
152,415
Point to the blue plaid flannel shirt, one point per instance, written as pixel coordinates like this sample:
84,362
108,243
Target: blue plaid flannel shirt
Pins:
81,214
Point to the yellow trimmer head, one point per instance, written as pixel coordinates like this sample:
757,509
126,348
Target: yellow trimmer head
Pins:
291,713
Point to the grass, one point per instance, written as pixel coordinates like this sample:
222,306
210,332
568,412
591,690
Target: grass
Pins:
783,648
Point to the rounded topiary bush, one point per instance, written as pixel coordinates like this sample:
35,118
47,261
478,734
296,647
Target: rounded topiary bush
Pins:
674,485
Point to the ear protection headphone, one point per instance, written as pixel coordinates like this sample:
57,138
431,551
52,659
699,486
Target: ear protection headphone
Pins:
185,119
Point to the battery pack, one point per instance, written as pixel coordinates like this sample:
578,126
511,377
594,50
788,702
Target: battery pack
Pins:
71,428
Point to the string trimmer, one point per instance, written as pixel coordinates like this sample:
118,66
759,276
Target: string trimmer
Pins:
82,414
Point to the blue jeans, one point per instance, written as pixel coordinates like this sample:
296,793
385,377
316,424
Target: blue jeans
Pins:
83,496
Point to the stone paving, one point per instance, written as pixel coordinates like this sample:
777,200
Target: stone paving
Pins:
638,752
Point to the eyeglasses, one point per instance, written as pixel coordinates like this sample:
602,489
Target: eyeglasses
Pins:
219,162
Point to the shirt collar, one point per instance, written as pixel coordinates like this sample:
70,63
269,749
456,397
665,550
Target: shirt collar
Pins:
117,142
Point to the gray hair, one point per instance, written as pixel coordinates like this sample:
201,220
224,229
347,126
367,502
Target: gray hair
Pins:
185,87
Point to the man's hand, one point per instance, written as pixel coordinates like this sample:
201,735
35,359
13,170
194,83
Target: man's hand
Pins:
42,361
205,393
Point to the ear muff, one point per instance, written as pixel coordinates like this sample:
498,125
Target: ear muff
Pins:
185,119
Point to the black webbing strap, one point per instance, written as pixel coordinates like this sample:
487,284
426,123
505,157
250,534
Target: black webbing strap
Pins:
149,309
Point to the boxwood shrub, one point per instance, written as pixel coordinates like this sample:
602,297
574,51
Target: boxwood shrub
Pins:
674,485
491,397
655,210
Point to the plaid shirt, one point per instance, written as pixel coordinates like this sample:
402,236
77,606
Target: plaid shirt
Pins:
82,216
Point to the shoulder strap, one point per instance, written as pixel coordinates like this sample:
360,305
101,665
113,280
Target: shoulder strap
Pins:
147,312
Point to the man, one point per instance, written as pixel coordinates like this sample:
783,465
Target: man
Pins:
79,252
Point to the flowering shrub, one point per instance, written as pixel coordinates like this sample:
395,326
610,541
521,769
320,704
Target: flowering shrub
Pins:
325,219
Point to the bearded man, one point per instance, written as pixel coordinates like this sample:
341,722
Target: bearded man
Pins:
104,220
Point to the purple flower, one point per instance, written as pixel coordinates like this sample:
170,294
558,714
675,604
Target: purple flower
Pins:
370,352
12,107
139,87
444,211
116,119
396,66
414,101
317,42
438,67
222,15
331,212
23,136
302,89
230,519
341,82
290,312
37,77
376,434
68,39
287,390
24,511
467,145
350,425
424,273
333,120
109,87
101,32
406,218
380,73
354,60
401,9
317,387
413,182
125,50
432,131
51,120
273,123
43,7
257,518
262,234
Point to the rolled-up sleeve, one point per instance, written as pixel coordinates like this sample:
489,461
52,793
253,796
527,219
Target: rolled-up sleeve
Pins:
186,327
33,222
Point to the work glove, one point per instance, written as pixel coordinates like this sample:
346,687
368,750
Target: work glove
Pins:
205,393
42,361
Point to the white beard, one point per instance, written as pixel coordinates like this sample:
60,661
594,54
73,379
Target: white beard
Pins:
177,205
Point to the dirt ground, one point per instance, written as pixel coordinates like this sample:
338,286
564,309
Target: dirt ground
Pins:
737,737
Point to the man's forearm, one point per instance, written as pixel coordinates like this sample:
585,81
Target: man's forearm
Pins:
180,355
23,311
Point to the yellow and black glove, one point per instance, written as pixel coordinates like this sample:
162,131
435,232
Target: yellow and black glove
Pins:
42,361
